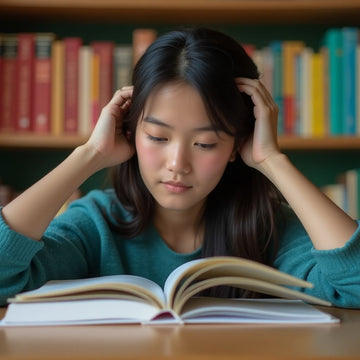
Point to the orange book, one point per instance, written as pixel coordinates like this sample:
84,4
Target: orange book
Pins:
104,50
142,39
57,87
42,83
7,87
291,49
72,51
24,82
95,89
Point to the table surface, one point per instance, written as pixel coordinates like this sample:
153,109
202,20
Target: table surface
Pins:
186,341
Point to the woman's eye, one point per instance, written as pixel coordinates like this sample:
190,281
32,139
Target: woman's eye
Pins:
156,138
205,146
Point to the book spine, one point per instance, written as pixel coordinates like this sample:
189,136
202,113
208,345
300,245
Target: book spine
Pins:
291,50
85,90
1,77
276,48
333,43
57,87
142,39
95,89
105,52
8,88
42,84
318,121
72,50
123,61
24,82
350,39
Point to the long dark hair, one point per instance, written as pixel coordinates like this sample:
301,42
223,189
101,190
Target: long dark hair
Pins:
240,212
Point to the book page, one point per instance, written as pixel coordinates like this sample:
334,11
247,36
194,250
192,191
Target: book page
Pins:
249,284
220,266
94,311
134,285
278,311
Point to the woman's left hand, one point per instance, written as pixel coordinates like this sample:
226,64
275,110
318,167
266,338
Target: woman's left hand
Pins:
263,143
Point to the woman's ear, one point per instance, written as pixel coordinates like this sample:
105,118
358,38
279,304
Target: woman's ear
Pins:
233,155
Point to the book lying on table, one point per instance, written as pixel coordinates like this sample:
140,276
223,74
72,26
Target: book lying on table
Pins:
133,299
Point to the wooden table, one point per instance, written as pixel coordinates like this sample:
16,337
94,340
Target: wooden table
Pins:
186,342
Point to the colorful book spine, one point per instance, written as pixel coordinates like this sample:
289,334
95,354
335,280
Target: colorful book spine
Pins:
24,82
276,48
8,86
42,83
57,87
72,51
104,50
291,50
142,39
85,85
123,60
317,115
350,41
333,43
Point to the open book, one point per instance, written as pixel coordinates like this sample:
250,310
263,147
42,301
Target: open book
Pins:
133,299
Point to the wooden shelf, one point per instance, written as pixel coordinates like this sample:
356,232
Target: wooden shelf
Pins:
203,11
29,141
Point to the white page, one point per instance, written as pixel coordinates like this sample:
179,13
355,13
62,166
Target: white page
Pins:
208,310
78,312
63,287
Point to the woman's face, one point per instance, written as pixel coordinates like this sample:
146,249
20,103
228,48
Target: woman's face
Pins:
181,156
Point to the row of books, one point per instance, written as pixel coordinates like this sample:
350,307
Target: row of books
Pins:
317,92
346,192
51,85
58,86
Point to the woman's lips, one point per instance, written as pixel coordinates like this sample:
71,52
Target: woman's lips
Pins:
176,187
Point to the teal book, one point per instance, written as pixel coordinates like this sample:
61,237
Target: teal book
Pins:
276,48
350,40
333,42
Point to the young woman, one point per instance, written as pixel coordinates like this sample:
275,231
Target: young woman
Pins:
197,172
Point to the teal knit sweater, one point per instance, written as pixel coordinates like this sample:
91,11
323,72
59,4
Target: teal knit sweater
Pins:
80,243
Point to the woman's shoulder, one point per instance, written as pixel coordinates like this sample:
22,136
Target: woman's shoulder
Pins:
103,201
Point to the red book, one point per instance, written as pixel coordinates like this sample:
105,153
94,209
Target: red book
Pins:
24,82
72,54
8,88
142,39
42,83
104,50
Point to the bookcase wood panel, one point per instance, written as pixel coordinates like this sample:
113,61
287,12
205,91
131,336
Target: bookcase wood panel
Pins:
205,11
8,141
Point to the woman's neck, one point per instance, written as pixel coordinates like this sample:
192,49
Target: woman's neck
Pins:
183,231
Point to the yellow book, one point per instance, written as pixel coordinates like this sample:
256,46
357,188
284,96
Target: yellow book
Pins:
57,87
317,94
95,89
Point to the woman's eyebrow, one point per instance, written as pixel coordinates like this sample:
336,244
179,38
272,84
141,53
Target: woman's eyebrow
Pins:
152,120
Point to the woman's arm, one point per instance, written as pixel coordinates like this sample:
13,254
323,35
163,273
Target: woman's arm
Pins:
32,211
328,226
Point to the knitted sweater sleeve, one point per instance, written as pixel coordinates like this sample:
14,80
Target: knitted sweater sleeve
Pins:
335,273
73,246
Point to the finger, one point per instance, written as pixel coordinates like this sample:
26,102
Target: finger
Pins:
257,84
121,96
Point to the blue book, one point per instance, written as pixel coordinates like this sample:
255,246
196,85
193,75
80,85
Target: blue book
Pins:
276,48
350,40
333,42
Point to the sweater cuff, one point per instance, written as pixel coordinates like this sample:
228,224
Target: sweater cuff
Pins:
340,260
15,245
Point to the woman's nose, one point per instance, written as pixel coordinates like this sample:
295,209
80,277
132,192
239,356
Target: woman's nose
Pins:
178,160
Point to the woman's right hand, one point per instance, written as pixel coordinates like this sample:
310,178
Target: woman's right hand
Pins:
107,138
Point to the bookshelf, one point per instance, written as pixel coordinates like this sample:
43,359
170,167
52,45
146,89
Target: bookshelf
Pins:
287,143
255,18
